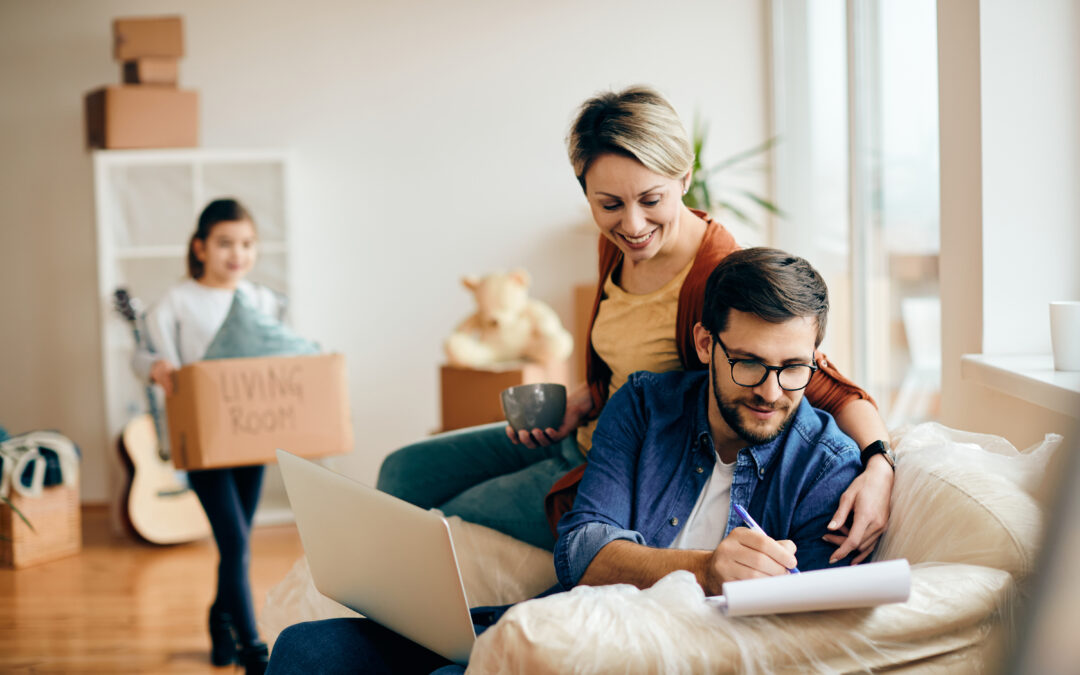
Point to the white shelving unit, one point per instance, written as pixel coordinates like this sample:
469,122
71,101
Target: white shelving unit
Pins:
147,203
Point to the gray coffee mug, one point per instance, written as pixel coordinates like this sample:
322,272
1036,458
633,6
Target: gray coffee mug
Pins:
534,406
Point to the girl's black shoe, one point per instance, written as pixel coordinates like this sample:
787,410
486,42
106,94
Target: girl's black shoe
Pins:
222,638
254,658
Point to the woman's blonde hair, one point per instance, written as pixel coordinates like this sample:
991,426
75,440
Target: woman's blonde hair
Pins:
637,122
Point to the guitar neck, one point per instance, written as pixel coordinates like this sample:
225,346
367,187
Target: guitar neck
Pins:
155,414
125,306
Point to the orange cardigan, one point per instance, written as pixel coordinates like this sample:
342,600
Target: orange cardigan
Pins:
829,390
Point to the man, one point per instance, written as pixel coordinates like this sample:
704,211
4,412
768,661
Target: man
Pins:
670,454
673,452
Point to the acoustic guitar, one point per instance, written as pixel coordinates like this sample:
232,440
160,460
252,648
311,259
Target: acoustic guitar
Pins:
157,506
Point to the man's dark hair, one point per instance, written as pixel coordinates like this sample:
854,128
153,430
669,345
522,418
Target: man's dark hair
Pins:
767,282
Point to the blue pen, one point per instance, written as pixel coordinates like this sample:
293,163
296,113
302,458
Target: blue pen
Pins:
742,513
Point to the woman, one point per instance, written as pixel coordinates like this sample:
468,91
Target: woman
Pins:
633,159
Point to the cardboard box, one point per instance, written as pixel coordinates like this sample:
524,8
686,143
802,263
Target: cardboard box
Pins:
142,117
470,396
136,37
57,523
162,72
236,412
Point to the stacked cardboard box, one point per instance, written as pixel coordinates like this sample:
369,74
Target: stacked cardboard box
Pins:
148,110
470,396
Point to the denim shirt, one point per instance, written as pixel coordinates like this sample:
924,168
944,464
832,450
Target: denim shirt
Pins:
653,453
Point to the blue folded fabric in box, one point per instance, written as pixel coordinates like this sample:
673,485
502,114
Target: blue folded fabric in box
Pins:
53,474
247,332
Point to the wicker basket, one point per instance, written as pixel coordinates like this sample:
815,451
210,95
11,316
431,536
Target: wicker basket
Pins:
57,525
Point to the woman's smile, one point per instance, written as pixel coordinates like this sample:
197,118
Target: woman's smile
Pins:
641,241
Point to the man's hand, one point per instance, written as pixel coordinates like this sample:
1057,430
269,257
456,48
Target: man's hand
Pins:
868,495
745,554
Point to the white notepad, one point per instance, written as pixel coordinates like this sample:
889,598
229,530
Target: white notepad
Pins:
865,585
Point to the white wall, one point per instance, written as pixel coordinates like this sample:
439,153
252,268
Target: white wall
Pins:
429,144
1010,217
1031,168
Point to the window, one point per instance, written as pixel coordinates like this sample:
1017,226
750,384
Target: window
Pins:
857,176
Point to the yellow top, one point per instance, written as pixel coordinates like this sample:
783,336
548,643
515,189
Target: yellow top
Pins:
635,332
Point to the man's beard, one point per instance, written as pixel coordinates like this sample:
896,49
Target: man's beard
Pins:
730,411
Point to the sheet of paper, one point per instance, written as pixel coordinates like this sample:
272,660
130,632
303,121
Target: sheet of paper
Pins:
864,585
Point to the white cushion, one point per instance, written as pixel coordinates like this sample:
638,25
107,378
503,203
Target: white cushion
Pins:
498,569
961,497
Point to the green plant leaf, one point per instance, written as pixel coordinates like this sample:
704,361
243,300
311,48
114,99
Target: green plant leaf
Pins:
738,157
763,203
707,193
737,212
17,512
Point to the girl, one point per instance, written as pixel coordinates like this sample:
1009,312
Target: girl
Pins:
182,325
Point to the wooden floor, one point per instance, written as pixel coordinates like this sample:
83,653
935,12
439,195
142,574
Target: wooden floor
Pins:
122,607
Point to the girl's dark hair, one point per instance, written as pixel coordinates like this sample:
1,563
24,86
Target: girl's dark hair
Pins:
769,283
217,211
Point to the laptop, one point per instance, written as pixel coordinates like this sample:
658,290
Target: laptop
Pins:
387,559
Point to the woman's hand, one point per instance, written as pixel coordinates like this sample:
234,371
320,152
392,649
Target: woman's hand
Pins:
868,496
161,373
578,406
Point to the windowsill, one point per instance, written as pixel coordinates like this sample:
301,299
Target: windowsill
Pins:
1029,378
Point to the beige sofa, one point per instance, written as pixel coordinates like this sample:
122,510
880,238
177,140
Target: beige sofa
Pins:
964,516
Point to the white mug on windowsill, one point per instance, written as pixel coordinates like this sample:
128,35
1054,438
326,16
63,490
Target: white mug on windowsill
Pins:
1065,334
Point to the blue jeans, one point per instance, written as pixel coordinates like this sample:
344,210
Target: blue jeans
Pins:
346,646
229,497
480,476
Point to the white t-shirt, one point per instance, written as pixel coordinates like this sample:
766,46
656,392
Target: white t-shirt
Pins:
704,529
184,322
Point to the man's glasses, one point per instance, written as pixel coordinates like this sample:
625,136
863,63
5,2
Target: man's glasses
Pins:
751,373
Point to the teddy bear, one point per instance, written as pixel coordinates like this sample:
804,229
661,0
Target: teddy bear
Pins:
507,325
